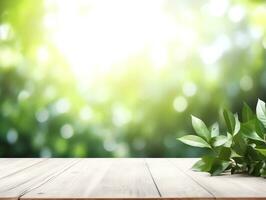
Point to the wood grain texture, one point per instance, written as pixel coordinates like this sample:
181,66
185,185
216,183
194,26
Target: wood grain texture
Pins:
13,165
17,184
225,186
100,178
126,178
173,183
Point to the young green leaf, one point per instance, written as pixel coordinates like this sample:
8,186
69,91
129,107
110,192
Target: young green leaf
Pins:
261,112
200,128
215,130
237,125
219,140
195,141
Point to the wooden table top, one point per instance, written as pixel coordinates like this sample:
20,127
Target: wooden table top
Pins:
119,178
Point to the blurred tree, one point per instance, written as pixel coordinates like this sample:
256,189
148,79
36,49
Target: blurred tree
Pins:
216,59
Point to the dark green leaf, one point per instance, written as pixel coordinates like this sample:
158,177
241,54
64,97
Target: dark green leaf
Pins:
247,113
219,166
225,153
229,120
250,133
260,129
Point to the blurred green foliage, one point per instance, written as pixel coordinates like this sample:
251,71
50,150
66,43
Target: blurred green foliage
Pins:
216,59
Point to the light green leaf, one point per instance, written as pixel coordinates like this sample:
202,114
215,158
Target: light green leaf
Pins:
195,141
262,151
219,140
229,140
215,130
237,125
200,128
261,112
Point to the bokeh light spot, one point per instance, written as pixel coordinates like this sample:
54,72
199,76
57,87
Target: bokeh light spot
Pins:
180,104
66,131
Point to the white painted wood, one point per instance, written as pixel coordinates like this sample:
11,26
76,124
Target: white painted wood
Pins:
17,184
13,165
172,182
225,186
100,178
126,178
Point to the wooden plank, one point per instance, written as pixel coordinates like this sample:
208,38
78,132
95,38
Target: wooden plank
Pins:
127,178
174,183
225,186
99,179
17,184
76,182
13,165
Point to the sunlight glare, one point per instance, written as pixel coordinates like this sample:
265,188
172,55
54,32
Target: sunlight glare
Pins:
97,36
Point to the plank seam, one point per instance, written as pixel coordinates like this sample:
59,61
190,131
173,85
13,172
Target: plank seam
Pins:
53,176
20,170
153,180
192,178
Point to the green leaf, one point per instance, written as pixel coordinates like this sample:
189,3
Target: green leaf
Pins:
229,140
204,164
263,172
247,113
219,140
215,130
225,153
262,151
219,166
259,127
229,120
250,133
232,122
195,141
211,164
253,154
261,112
200,128
240,144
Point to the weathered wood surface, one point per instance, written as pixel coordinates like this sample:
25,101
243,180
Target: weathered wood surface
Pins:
125,178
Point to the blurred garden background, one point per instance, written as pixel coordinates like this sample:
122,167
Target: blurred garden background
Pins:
120,78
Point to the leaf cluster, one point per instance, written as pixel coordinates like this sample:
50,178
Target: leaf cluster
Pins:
242,149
